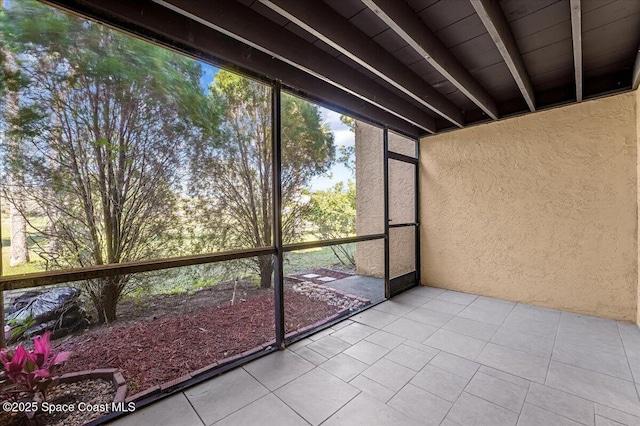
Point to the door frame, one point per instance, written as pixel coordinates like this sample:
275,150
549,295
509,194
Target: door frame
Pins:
397,285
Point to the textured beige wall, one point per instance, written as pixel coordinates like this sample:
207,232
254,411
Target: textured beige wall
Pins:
369,199
538,209
370,203
637,93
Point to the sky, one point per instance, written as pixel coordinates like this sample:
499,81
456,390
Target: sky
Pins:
341,133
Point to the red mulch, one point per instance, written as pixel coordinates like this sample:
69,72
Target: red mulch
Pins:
156,351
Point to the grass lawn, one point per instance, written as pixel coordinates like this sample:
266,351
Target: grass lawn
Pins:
33,266
303,260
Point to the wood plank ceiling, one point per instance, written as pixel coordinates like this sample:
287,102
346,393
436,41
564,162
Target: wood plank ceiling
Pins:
421,66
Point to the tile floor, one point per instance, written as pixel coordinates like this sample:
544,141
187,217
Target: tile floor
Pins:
430,357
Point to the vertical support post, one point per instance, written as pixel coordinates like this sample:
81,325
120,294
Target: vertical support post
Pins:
276,173
417,211
2,341
385,177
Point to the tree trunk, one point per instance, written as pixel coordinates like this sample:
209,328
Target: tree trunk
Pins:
109,296
19,252
266,271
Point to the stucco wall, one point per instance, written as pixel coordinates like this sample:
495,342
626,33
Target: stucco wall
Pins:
538,209
369,199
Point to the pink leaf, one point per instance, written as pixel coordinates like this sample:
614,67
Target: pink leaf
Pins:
43,373
60,358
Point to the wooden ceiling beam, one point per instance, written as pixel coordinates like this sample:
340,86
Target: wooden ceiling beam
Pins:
320,20
492,17
635,82
576,32
154,22
399,16
251,28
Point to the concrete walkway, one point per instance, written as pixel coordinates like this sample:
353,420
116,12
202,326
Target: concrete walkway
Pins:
366,287
430,357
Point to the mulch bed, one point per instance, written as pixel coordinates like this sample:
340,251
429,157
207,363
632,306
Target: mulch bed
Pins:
92,391
161,349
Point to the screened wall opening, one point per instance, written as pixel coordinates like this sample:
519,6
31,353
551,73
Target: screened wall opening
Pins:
156,207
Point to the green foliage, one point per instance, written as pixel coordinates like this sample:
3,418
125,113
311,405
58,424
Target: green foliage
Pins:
333,213
103,126
350,122
19,328
241,165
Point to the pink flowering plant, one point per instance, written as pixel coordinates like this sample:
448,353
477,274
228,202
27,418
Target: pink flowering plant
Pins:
27,374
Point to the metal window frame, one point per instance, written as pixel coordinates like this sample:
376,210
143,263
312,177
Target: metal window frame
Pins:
277,249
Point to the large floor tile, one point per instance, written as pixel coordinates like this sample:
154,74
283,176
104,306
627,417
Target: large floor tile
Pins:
171,411
530,326
344,367
603,421
365,410
594,340
469,410
440,382
279,368
444,307
217,398
498,391
537,313
316,395
491,317
394,307
375,318
366,352
524,342
322,333
519,363
329,346
389,374
427,316
455,364
601,362
412,299
491,304
635,369
268,410
617,415
353,333
471,328
410,329
562,403
426,291
299,344
587,323
536,416
457,344
411,357
597,387
384,339
372,388
630,334
490,371
457,297
310,355
422,406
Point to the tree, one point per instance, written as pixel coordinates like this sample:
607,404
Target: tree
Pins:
237,189
19,252
109,121
333,212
